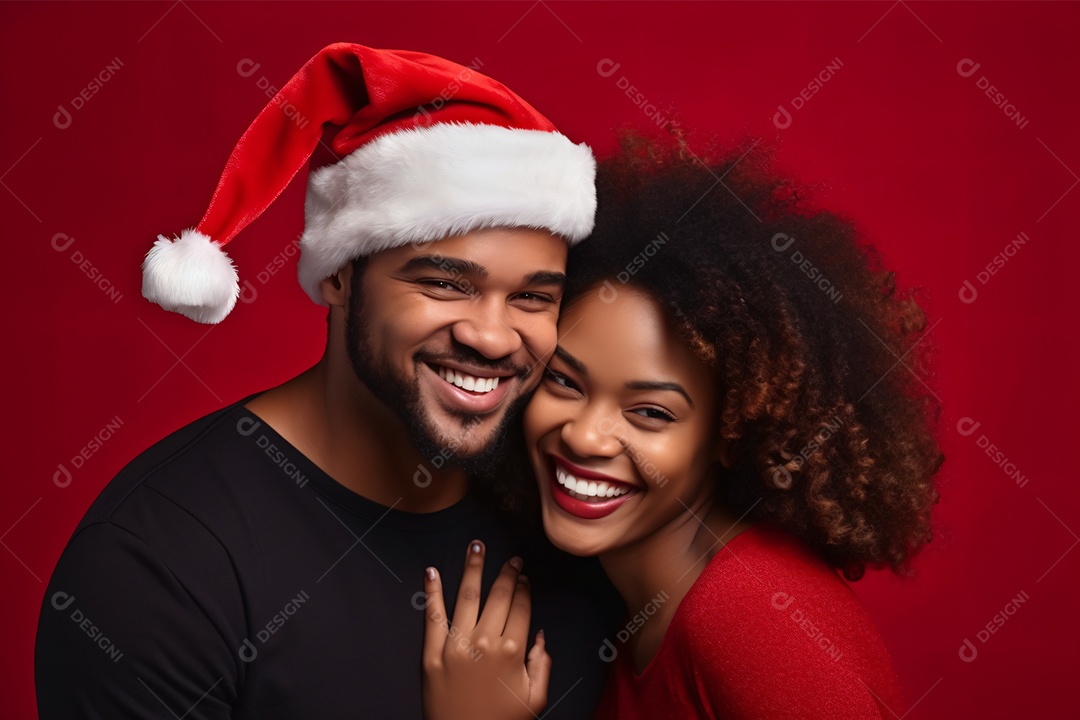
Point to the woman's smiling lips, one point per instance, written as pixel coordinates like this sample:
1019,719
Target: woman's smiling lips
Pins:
469,390
584,493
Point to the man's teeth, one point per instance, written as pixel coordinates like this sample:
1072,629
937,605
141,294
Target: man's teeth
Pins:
582,489
468,382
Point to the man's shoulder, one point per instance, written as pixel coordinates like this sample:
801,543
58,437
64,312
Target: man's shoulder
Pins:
189,463
154,533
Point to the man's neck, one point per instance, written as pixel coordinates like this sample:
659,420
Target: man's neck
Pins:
334,420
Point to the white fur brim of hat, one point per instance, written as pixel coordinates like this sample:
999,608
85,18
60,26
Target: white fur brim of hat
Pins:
444,180
411,186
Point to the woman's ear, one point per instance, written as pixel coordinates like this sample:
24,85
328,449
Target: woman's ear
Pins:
335,289
723,454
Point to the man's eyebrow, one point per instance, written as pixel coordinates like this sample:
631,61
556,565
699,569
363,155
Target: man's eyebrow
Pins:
444,264
658,385
570,360
546,277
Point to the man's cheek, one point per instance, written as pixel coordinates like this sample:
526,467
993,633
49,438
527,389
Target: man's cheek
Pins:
387,343
541,341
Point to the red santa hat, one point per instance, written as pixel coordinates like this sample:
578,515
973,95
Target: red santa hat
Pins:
428,149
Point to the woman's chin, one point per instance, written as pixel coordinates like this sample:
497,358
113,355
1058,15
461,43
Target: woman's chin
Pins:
572,537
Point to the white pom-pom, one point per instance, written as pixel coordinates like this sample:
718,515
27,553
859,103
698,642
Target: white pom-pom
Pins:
191,275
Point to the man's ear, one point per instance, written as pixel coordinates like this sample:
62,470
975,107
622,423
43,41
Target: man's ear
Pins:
335,289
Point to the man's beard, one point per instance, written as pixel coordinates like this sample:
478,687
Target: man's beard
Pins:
403,396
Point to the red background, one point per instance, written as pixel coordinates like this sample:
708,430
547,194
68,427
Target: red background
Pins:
932,170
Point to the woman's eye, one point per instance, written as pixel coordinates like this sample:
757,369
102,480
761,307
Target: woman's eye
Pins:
558,379
653,413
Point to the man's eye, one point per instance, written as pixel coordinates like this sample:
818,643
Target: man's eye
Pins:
446,285
536,298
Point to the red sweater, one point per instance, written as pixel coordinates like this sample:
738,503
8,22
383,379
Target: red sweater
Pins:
767,631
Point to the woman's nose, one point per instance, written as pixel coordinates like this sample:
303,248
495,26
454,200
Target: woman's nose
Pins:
594,432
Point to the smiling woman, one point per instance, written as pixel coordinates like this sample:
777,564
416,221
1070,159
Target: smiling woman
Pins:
622,378
725,435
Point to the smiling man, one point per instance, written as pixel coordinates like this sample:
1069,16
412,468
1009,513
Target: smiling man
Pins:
432,352
267,560
472,320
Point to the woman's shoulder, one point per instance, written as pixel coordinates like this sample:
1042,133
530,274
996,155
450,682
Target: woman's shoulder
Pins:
765,559
768,611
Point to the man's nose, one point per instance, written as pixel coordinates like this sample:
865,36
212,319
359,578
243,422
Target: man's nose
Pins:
486,329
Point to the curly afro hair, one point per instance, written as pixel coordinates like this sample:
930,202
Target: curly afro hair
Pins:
832,440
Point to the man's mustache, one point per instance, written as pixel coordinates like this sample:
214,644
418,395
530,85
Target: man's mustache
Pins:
474,359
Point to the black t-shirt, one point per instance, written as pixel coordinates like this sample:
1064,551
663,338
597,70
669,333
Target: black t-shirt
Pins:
223,575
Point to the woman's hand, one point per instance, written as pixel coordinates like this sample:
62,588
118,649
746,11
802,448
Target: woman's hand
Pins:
477,668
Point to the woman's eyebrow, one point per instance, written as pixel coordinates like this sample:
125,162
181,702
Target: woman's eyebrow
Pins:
570,360
660,385
579,366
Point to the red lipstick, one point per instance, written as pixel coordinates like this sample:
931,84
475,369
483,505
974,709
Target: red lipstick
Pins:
588,509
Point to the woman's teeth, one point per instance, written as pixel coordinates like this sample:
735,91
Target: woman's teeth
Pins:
587,489
468,382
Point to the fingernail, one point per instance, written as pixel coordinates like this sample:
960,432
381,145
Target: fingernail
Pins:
515,562
430,572
476,547
523,578
540,635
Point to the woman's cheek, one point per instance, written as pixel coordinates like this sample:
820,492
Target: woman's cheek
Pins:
659,455
537,415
